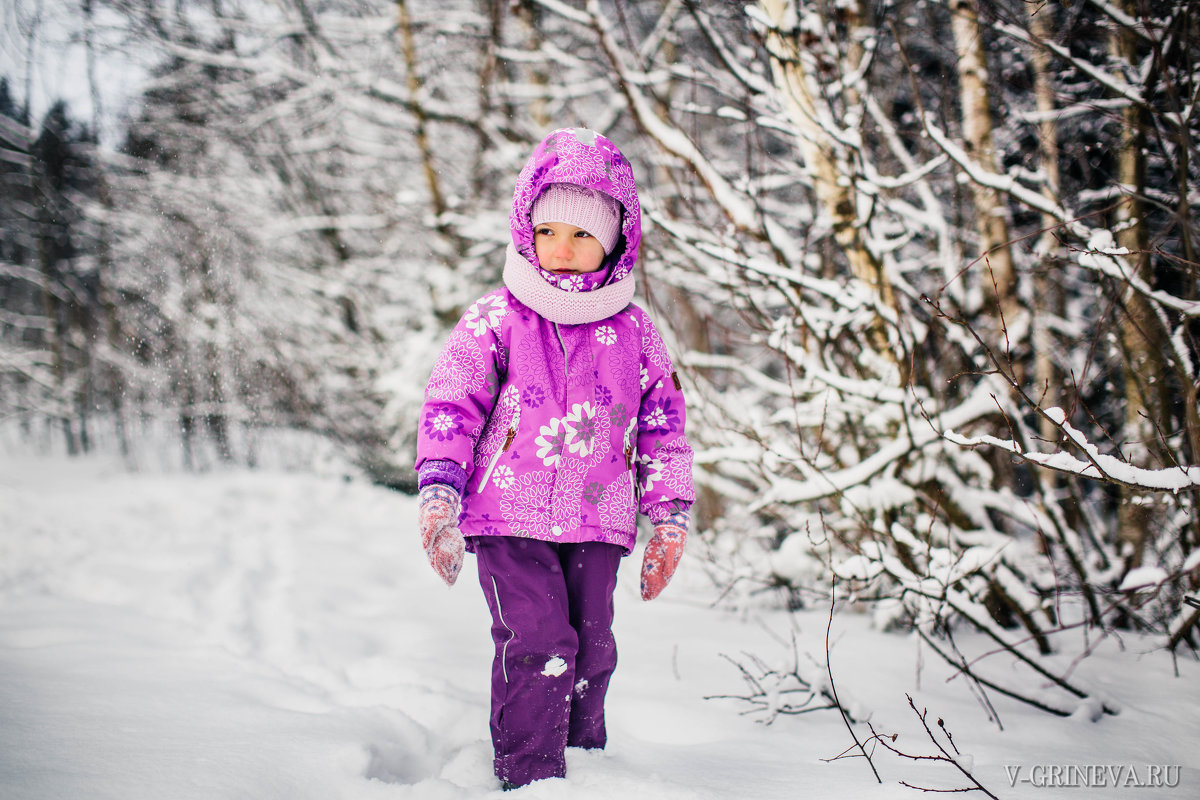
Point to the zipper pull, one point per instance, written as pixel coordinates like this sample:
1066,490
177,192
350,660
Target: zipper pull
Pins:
629,457
508,440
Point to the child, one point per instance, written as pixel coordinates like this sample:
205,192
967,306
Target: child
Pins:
551,417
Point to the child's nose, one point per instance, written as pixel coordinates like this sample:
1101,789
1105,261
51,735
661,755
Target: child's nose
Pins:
564,247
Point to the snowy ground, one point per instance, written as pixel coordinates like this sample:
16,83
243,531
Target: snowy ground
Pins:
274,635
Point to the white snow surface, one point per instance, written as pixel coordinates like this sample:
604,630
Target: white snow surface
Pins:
278,635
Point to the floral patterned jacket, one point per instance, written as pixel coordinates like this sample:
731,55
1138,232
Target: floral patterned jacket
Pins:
564,425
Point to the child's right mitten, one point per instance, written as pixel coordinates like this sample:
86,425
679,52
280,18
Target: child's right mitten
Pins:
663,552
443,541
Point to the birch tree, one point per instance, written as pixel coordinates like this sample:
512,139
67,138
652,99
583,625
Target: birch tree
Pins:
917,484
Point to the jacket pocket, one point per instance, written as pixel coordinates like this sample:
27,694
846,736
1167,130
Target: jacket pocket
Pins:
508,442
631,459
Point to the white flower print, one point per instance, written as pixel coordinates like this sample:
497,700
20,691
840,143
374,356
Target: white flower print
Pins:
566,499
511,398
654,349
572,284
485,313
580,164
645,378
503,477
656,419
459,369
526,505
443,422
551,442
582,429
605,335
650,472
616,509
678,466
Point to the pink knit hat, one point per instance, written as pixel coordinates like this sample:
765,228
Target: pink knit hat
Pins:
594,211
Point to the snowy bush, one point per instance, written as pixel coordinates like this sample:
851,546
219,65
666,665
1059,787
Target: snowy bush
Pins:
930,270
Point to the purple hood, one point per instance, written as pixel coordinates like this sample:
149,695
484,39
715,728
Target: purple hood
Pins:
585,158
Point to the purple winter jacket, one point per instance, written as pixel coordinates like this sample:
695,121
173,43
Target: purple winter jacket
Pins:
554,397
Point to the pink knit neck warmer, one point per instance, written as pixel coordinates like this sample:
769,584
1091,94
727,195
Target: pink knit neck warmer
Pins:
565,308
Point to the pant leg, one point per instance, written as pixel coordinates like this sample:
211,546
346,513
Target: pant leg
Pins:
590,571
533,669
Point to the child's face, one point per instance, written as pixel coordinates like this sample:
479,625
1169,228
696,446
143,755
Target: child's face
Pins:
565,249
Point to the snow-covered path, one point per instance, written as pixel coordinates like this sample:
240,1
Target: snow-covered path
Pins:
262,635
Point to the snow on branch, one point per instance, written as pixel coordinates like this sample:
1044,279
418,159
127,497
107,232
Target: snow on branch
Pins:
565,11
1104,257
986,177
742,213
830,482
1098,466
751,80
1117,86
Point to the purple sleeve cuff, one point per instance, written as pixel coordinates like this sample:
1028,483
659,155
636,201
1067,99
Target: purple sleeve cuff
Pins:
444,472
659,512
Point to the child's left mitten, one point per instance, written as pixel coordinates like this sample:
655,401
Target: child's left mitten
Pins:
443,541
662,554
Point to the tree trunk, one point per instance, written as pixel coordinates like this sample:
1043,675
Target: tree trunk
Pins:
1048,301
991,212
1142,339
832,175
409,49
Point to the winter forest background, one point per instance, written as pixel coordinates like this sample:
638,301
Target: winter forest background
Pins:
930,271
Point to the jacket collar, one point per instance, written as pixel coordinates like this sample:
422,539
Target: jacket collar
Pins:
526,283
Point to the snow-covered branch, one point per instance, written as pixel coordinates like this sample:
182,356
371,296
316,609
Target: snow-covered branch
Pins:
1097,466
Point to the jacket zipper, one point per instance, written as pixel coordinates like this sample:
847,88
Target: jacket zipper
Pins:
508,440
631,458
566,368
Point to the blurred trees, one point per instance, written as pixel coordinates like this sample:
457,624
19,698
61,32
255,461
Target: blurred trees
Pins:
48,278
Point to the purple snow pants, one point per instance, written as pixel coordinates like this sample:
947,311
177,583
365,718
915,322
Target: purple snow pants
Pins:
552,612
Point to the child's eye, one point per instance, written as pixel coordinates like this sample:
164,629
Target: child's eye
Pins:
582,235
